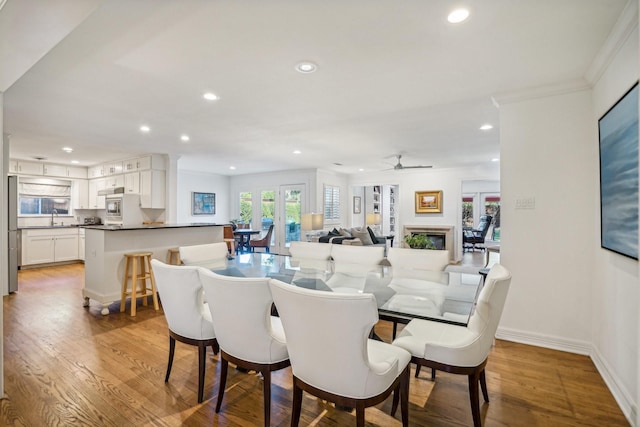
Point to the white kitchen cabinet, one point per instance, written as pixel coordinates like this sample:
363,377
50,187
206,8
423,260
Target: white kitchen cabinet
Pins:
114,181
49,245
113,168
81,244
132,183
54,170
13,167
80,191
76,172
96,171
28,168
95,201
152,189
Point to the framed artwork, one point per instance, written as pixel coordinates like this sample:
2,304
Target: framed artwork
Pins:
203,203
357,204
429,201
618,135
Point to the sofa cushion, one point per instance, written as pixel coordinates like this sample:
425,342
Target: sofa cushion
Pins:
364,237
374,239
345,233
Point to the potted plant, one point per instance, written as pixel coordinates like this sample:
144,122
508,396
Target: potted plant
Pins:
419,241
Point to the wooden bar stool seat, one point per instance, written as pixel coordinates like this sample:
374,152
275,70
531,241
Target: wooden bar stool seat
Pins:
137,269
173,256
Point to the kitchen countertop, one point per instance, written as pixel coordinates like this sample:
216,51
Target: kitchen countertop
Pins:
150,226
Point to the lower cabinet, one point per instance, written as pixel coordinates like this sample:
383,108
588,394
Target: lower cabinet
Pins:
49,245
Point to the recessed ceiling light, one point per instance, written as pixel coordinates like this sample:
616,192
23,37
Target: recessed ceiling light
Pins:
232,168
297,152
145,128
75,162
306,67
210,96
495,160
360,170
486,127
184,138
67,149
458,16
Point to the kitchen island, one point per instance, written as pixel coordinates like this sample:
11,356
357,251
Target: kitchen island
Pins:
106,245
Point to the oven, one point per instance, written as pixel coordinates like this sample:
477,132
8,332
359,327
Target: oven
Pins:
113,206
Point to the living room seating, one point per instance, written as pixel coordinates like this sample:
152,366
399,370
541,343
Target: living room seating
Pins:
209,255
334,359
265,242
473,238
188,317
459,349
248,335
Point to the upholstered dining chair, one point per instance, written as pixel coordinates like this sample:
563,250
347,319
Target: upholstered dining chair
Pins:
188,317
352,265
459,349
208,255
248,335
265,242
331,354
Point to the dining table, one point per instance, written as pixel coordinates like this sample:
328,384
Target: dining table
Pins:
401,294
244,235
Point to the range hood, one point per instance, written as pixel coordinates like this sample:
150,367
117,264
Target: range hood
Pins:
114,190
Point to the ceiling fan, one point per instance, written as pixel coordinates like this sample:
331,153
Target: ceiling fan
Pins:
399,166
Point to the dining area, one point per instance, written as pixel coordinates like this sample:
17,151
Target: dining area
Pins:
111,370
315,313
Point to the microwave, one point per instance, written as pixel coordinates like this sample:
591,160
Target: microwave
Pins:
113,206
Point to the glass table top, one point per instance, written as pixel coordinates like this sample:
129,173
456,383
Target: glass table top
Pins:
401,294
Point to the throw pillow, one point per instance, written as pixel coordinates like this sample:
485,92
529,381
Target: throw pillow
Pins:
374,239
364,237
345,232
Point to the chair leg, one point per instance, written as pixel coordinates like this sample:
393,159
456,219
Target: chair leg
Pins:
395,329
266,376
297,405
172,350
223,382
215,347
483,386
360,413
475,398
404,397
418,369
202,352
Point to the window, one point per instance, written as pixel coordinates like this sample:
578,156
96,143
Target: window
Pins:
44,197
331,203
246,207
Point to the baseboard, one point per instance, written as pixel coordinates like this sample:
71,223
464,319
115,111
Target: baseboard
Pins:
546,341
620,394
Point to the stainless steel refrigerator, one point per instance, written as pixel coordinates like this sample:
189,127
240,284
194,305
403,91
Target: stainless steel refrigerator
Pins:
14,234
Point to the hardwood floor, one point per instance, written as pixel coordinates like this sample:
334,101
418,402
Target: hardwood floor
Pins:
67,365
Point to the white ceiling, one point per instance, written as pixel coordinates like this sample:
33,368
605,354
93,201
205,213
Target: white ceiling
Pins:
393,77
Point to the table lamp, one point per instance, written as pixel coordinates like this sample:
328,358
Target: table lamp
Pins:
311,222
373,219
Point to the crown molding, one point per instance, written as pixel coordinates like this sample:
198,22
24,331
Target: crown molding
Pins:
540,92
625,26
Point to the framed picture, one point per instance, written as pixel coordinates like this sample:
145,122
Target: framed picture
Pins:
357,204
203,203
618,134
429,201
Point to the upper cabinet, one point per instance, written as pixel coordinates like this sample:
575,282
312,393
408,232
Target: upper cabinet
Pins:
46,169
152,161
25,168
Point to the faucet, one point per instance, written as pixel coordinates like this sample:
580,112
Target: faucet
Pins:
53,212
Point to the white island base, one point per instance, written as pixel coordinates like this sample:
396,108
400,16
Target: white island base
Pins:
105,248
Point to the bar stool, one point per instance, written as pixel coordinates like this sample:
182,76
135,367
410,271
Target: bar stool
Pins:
137,268
173,256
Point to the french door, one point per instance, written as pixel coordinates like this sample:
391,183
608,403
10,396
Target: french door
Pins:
289,204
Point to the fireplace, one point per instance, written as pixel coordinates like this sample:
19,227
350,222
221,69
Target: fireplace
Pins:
442,236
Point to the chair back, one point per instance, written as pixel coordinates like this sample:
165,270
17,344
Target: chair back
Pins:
327,337
483,226
310,254
241,306
412,263
488,310
266,240
210,255
181,294
356,259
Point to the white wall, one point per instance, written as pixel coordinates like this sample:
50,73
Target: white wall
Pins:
615,278
410,181
203,182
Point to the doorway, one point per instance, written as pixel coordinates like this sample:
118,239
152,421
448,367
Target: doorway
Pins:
287,220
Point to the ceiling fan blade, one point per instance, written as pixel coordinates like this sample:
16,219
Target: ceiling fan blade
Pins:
417,167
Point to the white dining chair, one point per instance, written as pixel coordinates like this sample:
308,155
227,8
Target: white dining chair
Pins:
353,265
461,349
188,317
249,336
210,255
331,354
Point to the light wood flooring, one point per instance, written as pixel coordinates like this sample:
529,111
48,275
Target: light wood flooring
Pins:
67,365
